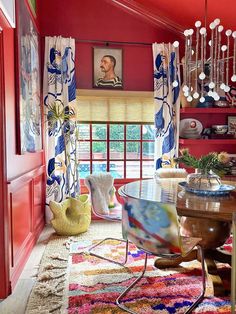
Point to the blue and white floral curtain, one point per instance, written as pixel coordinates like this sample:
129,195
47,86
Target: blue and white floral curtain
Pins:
167,104
59,88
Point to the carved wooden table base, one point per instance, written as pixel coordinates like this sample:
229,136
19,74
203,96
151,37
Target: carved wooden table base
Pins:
214,234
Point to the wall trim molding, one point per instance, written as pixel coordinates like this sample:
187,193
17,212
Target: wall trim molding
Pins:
14,183
24,253
155,19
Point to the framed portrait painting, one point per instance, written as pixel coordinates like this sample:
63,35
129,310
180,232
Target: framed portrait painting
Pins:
29,125
107,68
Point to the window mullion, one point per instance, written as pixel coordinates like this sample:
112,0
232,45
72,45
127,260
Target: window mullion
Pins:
125,137
108,147
91,146
141,151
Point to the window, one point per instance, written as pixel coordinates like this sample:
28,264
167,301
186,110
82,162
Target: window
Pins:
116,133
125,150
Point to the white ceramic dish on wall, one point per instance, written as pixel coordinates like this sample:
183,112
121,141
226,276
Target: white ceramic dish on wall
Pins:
190,128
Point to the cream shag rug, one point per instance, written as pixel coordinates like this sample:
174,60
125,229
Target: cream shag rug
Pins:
48,293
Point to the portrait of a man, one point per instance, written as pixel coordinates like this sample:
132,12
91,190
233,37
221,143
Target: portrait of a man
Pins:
107,68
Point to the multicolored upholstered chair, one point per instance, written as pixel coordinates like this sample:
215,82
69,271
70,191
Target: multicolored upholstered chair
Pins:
105,206
154,228
233,265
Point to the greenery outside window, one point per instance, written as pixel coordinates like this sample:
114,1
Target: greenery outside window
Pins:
125,150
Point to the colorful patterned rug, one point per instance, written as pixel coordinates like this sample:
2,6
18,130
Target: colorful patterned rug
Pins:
94,284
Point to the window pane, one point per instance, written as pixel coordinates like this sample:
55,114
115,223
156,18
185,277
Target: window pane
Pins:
148,169
133,169
116,150
133,150
148,150
148,132
84,131
99,132
99,166
117,169
133,132
99,150
84,169
84,150
116,132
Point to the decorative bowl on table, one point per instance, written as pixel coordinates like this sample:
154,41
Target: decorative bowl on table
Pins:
201,181
208,169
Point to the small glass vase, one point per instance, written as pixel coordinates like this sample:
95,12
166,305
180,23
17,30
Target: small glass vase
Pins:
203,181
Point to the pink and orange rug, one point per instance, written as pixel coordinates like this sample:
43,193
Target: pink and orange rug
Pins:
94,284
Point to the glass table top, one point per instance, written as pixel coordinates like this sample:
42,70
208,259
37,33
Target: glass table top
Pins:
164,191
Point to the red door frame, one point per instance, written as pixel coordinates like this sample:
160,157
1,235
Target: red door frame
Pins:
5,286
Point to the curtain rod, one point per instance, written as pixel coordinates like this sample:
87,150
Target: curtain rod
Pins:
108,42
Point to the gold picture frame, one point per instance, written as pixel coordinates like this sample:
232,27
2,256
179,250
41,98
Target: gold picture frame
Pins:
107,68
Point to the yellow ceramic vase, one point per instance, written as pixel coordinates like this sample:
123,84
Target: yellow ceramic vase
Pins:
72,216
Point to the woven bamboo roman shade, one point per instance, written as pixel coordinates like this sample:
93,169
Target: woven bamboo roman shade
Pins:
115,106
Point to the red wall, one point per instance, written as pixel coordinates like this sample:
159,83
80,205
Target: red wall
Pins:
102,21
93,20
23,180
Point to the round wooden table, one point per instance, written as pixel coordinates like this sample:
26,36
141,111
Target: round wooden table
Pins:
207,217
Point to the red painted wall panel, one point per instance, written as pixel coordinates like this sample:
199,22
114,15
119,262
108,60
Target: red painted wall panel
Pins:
100,20
20,231
26,217
20,218
38,195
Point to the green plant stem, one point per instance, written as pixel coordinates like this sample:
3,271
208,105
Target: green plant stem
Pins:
66,158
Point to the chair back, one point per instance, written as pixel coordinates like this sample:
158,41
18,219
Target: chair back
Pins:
152,226
102,193
166,173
